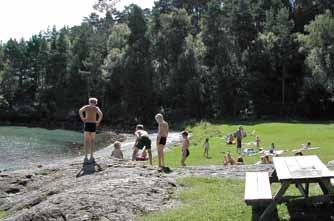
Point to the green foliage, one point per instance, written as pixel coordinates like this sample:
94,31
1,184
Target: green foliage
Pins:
320,60
187,59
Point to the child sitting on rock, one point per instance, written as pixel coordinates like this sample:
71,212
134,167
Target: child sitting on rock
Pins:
117,152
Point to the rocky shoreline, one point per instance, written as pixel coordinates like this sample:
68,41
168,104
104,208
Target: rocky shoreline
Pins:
118,190
122,190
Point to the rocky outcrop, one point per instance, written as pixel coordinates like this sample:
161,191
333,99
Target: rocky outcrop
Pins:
117,190
121,190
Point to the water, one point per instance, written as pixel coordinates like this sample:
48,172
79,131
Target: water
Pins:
22,147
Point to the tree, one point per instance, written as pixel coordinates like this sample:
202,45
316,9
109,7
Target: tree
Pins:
138,95
278,41
320,58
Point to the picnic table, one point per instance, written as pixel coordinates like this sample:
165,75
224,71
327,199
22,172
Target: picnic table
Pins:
299,171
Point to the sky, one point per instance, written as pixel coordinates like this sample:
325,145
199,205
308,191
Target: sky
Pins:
23,18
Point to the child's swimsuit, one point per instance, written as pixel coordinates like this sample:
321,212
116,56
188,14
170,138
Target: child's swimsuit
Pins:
187,153
163,140
90,127
143,141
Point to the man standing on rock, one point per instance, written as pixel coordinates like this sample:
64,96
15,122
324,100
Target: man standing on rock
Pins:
92,116
161,138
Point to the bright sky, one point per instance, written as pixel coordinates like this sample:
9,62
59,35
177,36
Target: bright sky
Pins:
23,18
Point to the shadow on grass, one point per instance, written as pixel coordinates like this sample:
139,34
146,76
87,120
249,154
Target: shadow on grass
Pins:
311,212
300,212
257,212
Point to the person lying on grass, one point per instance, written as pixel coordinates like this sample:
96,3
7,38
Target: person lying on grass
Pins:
228,160
307,146
265,160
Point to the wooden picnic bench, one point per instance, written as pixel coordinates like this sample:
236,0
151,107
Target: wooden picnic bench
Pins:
300,171
257,188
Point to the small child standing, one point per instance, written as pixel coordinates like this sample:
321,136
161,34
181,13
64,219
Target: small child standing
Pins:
117,152
206,148
257,142
185,147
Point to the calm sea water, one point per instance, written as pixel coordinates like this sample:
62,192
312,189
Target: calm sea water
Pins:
22,147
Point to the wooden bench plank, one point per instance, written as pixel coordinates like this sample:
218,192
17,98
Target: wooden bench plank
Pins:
257,187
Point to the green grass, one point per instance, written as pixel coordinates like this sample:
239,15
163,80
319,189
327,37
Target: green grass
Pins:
215,199
222,199
287,136
206,199
2,214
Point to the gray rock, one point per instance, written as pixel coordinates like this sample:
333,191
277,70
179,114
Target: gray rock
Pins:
121,191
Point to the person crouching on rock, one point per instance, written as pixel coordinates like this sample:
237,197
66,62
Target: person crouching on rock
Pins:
117,152
142,156
142,140
88,115
185,148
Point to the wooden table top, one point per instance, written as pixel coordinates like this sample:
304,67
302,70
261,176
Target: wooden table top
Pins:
301,167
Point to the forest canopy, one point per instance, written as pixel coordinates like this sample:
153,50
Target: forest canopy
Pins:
187,59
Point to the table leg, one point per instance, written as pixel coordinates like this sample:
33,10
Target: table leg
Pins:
307,187
302,190
276,200
326,187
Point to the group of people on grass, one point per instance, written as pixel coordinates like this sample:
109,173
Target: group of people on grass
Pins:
91,116
237,137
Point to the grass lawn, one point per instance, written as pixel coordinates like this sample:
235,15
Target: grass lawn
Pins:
2,214
287,136
222,199
214,199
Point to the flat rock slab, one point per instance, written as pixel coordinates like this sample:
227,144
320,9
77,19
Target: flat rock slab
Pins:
121,191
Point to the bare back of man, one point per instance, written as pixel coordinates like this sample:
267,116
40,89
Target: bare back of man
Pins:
91,115
163,129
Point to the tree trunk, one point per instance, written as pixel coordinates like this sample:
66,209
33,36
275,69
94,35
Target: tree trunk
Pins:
283,84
